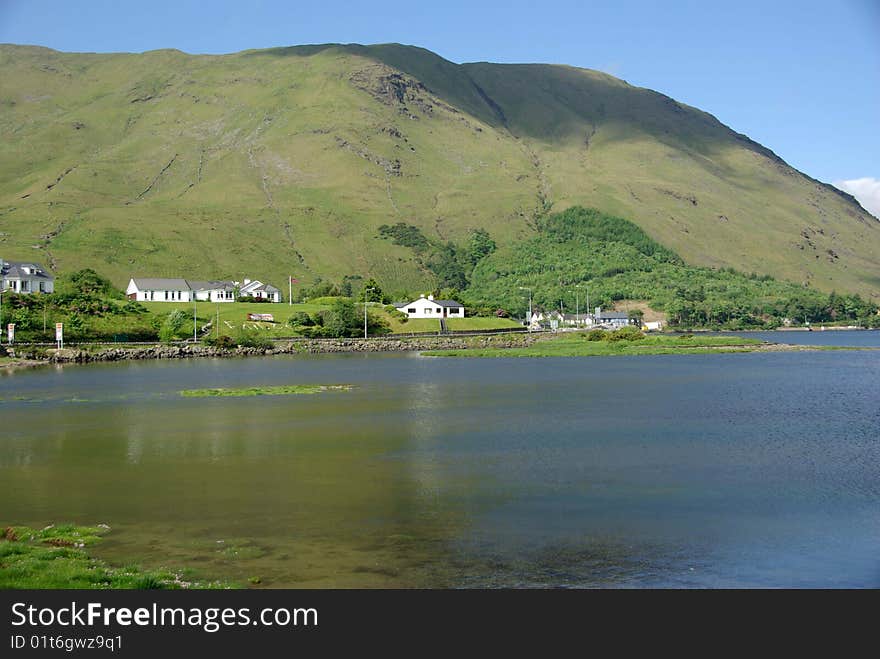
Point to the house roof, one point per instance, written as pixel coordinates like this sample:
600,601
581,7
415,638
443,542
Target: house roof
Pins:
269,288
251,286
159,284
211,285
613,315
16,269
439,303
401,305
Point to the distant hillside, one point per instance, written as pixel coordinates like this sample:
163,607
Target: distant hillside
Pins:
264,163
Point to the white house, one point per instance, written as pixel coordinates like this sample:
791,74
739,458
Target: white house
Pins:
25,277
213,291
428,307
159,290
260,290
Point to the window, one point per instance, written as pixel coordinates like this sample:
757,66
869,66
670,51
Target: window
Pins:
453,310
411,310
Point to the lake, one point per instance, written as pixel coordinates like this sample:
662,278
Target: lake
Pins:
726,470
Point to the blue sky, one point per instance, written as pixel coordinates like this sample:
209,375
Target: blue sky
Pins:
802,78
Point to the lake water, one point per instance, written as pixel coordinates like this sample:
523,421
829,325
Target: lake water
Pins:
728,470
849,338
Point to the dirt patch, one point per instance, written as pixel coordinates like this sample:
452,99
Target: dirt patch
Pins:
649,314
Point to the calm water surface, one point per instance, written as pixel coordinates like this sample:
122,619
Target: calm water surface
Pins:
850,338
683,471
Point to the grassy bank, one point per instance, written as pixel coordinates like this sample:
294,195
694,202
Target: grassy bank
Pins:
57,557
578,345
481,323
233,316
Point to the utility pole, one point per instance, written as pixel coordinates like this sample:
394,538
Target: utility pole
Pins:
195,319
366,291
529,321
588,301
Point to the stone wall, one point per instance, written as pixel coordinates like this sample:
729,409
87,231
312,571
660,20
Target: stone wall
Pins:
312,346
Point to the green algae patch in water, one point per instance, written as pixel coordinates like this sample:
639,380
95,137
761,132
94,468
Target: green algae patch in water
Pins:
284,390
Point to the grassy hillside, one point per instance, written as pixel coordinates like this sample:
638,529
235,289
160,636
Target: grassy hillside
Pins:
265,163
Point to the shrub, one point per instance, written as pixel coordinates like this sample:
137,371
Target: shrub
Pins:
132,306
300,319
223,341
628,333
597,335
397,314
172,326
251,339
87,282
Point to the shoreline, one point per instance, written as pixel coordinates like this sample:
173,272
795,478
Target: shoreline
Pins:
30,358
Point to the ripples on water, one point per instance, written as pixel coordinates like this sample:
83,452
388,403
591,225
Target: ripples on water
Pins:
679,471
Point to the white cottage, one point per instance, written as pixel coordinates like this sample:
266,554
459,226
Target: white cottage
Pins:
159,290
260,291
25,277
428,307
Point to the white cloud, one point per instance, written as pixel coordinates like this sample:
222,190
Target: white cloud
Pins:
866,190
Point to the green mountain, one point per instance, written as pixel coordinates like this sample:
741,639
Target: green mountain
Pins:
269,162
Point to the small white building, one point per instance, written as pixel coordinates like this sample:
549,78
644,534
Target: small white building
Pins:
428,307
25,277
159,290
260,291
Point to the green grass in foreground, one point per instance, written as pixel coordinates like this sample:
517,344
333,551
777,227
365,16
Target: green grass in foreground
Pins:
577,345
282,390
56,557
481,323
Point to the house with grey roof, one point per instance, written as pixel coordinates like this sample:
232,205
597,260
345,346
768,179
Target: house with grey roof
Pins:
428,307
259,290
152,289
25,277
612,319
213,291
